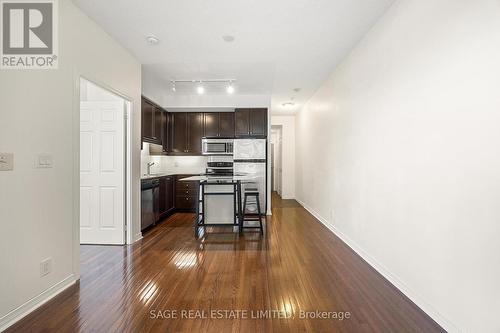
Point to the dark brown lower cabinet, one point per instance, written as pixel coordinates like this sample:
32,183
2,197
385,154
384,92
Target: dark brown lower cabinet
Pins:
186,194
166,200
186,203
170,196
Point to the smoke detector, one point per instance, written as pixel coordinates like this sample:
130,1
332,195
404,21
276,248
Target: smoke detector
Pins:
152,40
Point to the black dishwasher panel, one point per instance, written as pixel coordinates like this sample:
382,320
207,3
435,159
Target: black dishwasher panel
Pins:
150,204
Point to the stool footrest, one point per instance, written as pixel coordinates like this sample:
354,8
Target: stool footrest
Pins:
252,197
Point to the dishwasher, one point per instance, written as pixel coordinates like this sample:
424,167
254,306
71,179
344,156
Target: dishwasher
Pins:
150,196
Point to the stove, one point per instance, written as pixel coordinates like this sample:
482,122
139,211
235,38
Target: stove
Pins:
219,169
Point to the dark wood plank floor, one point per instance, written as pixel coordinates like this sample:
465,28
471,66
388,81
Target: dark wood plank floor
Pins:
298,265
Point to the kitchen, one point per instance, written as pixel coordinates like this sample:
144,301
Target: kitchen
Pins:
379,136
186,155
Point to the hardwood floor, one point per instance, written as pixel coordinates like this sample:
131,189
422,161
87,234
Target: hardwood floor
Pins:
298,265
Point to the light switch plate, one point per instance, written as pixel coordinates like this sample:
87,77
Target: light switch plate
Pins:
44,161
6,161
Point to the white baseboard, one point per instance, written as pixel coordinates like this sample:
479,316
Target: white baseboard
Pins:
137,237
398,283
31,305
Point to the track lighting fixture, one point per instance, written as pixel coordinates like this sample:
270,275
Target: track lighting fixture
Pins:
200,84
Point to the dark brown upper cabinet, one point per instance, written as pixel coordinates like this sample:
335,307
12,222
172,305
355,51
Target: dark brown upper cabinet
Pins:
226,124
151,122
250,123
258,122
179,129
165,138
195,132
147,119
218,124
241,122
211,124
187,131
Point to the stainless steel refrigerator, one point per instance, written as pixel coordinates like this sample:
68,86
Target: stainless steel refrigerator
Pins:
250,157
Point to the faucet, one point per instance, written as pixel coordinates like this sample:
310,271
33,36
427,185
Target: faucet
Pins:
150,164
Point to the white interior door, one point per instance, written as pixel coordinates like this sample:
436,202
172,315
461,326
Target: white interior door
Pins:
102,172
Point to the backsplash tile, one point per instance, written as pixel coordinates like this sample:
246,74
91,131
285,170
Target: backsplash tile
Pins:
172,164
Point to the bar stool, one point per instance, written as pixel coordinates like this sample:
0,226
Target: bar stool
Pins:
252,193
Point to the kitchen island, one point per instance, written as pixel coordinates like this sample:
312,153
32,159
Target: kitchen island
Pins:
220,200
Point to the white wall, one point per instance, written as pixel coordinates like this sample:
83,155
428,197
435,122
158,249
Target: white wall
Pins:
398,152
38,113
287,124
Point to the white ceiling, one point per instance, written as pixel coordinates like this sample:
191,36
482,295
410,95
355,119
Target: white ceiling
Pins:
279,44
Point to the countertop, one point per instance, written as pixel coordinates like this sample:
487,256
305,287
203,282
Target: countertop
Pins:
160,175
220,179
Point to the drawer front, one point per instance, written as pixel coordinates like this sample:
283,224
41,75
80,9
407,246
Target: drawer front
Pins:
186,192
185,202
186,186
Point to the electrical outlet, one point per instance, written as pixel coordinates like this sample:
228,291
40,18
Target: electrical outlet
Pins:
6,161
43,161
45,266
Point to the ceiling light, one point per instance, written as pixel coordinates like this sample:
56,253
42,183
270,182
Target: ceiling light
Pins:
199,84
228,38
200,89
288,105
152,40
296,89
230,88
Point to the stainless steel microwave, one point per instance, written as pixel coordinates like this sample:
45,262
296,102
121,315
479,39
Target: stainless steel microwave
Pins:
217,146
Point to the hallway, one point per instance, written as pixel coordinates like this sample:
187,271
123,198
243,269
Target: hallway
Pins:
297,266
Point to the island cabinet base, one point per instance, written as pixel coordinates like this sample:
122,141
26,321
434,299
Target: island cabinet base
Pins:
219,209
185,194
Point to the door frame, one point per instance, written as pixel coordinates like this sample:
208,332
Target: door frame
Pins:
76,164
278,158
273,180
